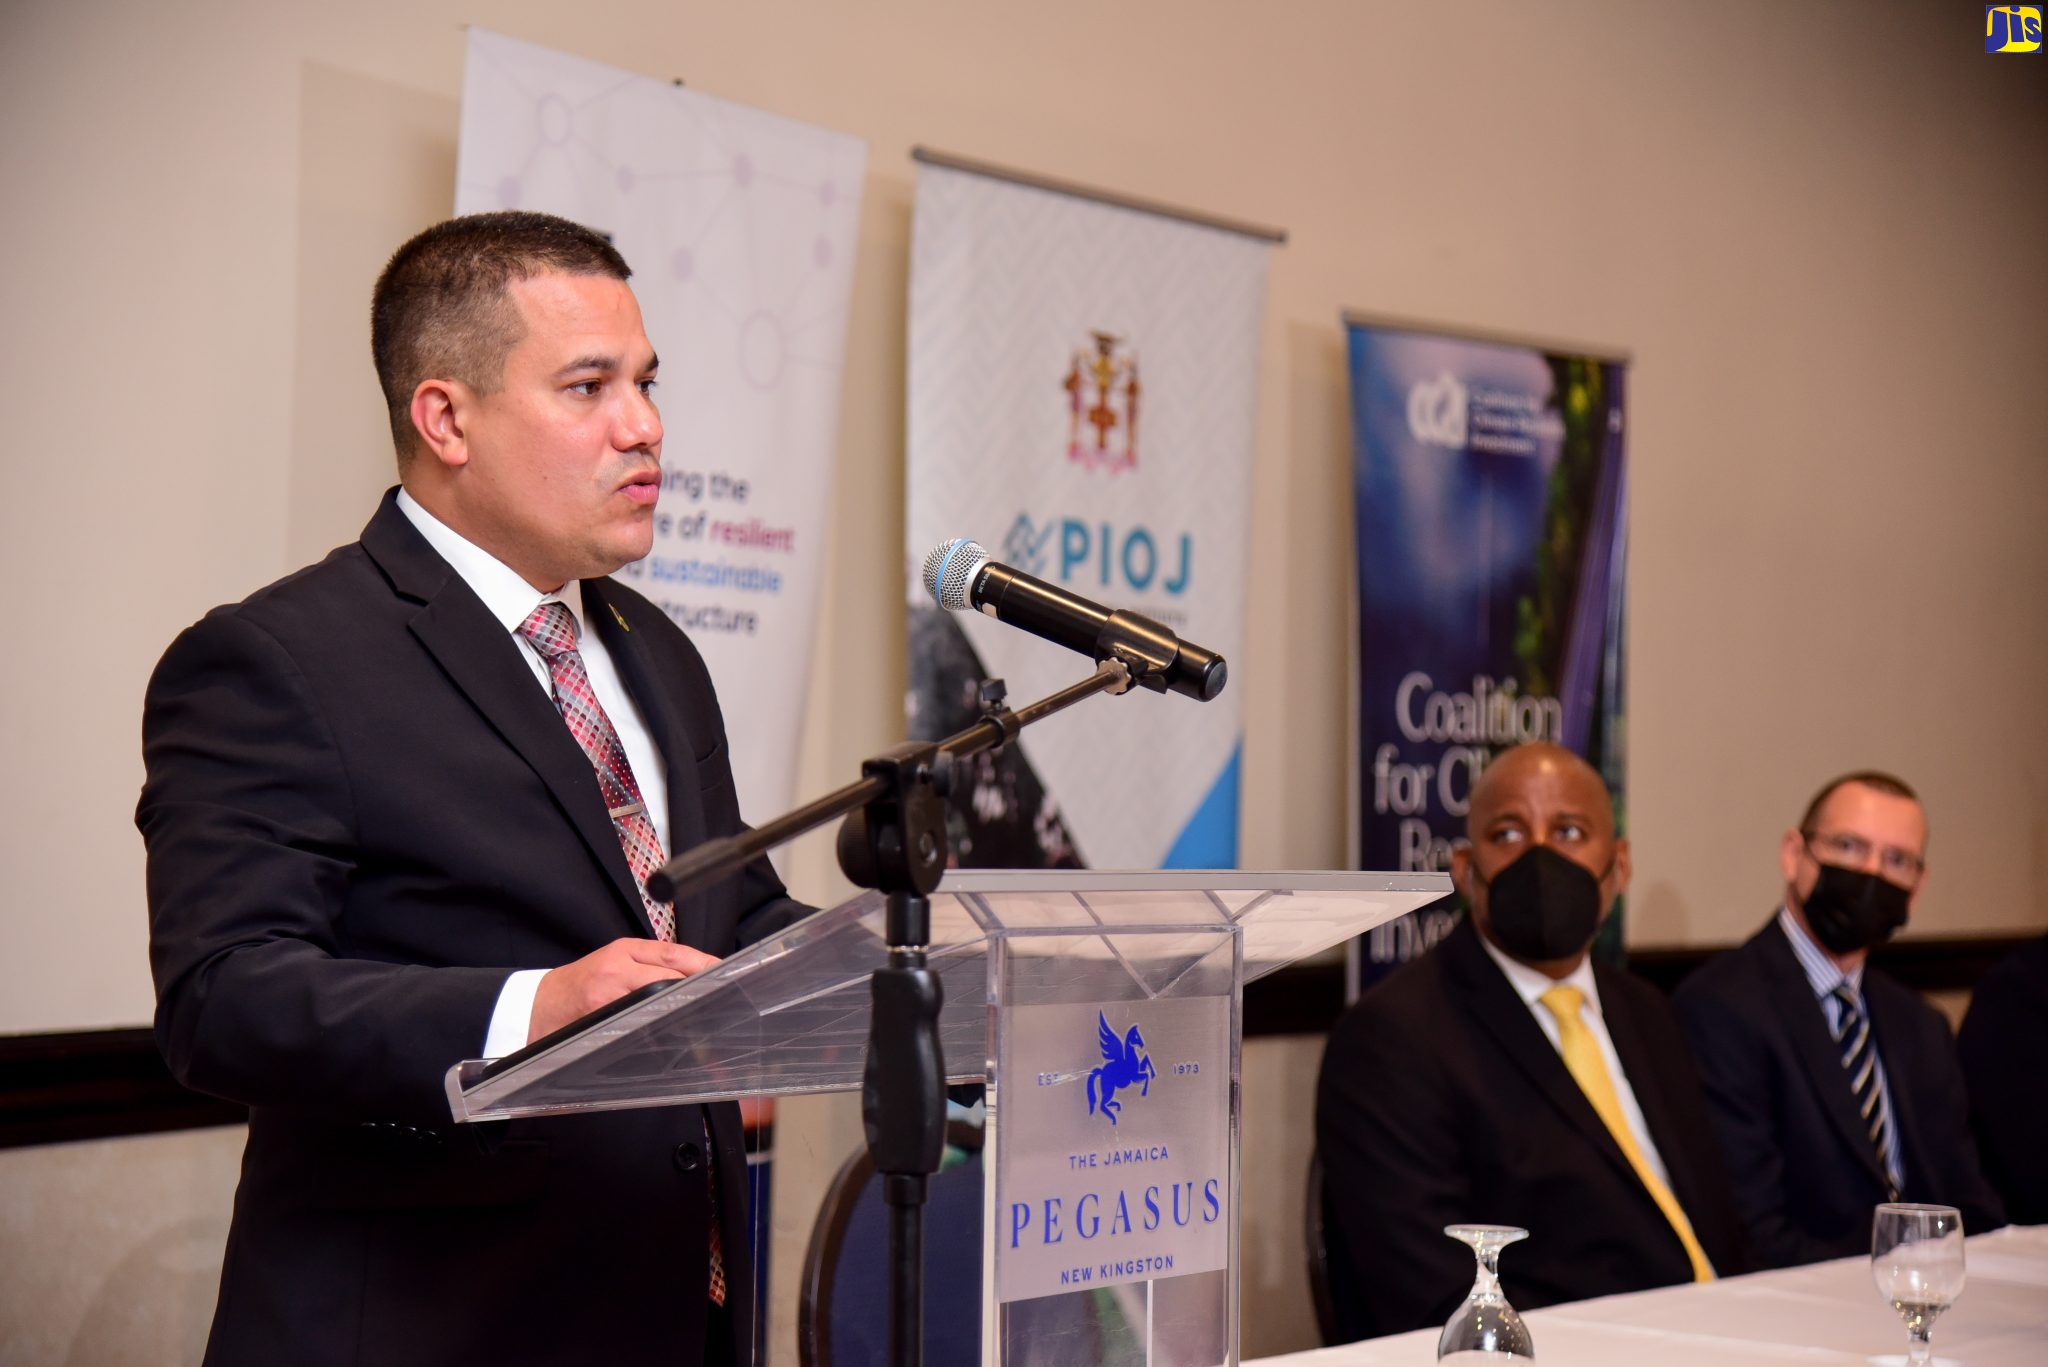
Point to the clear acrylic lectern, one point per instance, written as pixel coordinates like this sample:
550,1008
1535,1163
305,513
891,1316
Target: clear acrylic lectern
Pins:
1102,1010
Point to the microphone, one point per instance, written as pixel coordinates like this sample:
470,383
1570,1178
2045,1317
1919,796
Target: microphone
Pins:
961,576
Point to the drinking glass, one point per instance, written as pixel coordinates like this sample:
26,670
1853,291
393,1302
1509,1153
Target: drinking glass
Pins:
1486,1323
1916,1258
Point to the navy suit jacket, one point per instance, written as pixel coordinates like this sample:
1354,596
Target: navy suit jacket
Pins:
1441,1102
2004,1047
362,815
1805,1172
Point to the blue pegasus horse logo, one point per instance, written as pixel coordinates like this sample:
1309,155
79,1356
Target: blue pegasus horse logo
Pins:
1124,1064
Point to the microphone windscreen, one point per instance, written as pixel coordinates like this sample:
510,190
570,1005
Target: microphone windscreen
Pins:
950,569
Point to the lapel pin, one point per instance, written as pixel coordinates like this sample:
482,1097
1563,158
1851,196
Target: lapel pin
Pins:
619,619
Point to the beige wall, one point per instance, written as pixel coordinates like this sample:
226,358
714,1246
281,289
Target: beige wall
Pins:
1816,226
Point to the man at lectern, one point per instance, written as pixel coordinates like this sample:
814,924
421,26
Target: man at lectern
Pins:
398,809
1505,1078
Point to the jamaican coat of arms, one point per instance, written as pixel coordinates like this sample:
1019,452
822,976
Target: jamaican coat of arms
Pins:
1102,405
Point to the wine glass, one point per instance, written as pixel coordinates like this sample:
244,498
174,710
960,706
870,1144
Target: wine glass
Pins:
1486,1323
1916,1258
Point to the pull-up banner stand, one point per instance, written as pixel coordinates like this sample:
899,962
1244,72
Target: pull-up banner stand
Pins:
1492,514
1083,372
739,225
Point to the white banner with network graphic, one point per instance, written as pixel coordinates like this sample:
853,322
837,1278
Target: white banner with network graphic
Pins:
1082,388
739,226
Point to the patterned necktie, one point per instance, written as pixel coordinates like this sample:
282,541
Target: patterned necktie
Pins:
1582,1058
1859,1061
551,628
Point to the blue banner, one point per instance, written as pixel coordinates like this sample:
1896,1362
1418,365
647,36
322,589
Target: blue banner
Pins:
1491,502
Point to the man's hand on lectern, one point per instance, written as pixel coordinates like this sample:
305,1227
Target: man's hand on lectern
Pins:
576,989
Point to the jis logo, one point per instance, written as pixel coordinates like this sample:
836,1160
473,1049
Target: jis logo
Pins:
2012,28
1124,1064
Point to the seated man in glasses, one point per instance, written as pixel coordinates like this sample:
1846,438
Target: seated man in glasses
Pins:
1834,1087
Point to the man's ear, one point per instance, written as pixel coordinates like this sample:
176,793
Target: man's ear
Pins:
1461,870
440,413
1623,866
1790,847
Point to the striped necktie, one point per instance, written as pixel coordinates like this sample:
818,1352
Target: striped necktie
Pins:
1859,1061
1582,1059
551,629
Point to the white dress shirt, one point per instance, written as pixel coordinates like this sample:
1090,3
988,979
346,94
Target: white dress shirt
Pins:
511,600
1530,986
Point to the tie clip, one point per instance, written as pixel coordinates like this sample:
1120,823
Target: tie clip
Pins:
630,809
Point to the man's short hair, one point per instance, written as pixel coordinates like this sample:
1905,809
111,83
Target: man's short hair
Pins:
441,311
1890,784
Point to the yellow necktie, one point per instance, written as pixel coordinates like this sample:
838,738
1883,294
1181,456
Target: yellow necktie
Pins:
1582,1057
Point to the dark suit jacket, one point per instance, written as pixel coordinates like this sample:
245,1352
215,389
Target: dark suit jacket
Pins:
2004,1047
1442,1102
362,814
1806,1175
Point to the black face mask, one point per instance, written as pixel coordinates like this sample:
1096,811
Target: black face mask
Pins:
1850,910
1543,906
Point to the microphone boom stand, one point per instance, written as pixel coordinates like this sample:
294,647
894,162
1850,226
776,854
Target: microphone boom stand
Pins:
893,840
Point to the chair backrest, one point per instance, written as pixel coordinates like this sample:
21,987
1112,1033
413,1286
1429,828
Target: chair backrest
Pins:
1315,1230
843,1310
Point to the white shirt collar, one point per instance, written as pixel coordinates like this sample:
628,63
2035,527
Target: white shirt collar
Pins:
1530,985
505,593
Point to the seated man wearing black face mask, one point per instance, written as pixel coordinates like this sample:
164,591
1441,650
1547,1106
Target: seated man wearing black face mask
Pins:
1504,1078
1833,1086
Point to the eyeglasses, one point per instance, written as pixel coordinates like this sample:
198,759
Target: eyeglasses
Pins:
1851,850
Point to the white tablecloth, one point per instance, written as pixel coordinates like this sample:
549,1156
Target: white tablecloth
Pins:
1826,1315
